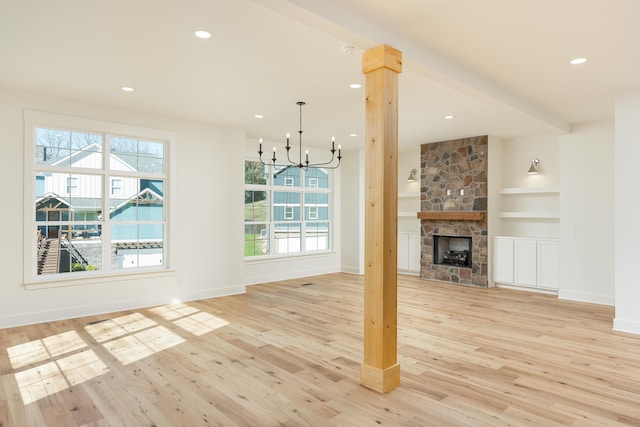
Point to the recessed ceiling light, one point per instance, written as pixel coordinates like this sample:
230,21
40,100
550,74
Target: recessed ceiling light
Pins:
449,117
203,34
353,135
355,85
578,61
126,88
259,116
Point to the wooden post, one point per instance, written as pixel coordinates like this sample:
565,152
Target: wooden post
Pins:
380,370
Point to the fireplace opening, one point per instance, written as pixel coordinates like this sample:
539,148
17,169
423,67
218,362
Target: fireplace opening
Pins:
452,250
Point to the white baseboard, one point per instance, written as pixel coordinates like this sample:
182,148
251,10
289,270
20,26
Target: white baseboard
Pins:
630,326
273,275
526,289
112,306
352,270
409,272
586,297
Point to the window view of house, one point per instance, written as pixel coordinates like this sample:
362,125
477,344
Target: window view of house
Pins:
287,210
98,202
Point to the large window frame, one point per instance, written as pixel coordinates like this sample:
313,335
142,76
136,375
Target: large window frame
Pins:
102,174
286,214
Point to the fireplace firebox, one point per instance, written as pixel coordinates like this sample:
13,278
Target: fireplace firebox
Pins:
452,250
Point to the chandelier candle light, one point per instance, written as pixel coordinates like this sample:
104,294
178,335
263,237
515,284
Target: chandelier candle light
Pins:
327,165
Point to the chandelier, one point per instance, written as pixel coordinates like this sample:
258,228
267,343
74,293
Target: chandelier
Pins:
331,164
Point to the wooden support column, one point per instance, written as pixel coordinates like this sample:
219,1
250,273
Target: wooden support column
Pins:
380,370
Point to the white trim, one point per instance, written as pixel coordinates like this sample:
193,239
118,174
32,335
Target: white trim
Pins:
526,288
586,297
629,326
349,269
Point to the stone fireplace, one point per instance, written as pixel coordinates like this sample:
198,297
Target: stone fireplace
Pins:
453,209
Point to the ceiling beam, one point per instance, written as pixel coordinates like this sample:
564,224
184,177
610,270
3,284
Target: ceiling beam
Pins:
420,59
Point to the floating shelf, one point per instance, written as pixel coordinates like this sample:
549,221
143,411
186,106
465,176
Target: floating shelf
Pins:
453,216
540,215
409,195
530,190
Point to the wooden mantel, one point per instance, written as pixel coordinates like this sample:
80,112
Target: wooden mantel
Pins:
453,216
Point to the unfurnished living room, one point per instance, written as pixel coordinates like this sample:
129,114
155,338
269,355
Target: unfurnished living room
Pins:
438,228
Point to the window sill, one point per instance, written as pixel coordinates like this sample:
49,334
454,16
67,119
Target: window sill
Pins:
95,279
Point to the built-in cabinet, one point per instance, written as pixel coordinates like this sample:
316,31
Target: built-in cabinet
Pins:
527,255
526,262
409,252
409,233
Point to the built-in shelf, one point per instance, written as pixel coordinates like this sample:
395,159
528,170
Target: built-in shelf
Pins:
530,190
453,216
539,215
409,195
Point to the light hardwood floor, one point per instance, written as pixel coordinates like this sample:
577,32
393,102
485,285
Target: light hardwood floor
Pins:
288,353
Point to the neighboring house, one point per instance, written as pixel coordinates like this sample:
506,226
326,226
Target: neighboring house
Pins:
70,206
291,209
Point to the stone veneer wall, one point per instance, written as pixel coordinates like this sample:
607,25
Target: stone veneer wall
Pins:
455,165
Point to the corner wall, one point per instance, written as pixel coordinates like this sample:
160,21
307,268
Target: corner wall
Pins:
627,206
587,249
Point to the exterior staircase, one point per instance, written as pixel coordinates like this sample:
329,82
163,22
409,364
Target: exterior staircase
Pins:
48,256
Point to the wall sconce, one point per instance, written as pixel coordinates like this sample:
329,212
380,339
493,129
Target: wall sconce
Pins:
533,170
412,175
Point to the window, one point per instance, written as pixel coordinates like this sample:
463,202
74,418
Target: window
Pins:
72,185
288,212
112,216
116,186
283,216
313,212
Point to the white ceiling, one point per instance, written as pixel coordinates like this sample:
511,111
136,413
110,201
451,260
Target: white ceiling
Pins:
500,66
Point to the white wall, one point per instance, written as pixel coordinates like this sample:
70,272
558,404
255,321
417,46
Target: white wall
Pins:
587,213
517,155
208,233
352,212
627,207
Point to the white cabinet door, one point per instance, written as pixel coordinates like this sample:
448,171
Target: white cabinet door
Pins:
525,260
548,263
403,251
502,260
415,250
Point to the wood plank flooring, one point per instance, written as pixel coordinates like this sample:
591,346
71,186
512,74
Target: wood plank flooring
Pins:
289,353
